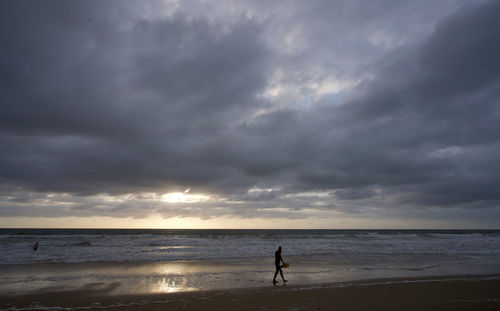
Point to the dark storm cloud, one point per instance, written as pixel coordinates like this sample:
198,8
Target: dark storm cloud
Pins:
97,98
429,121
94,103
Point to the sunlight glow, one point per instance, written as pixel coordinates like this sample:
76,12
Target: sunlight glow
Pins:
184,197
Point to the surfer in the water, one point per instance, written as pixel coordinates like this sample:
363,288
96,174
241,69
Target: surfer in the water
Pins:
35,247
277,262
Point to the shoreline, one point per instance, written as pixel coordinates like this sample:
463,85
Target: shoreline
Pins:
456,292
131,278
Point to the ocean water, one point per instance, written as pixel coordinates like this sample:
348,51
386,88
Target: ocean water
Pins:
118,245
173,260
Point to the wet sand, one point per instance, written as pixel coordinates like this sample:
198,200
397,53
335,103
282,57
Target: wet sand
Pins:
134,278
480,292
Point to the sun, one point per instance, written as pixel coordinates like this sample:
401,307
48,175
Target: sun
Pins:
184,197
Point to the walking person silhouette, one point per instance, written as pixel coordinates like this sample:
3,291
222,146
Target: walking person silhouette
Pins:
277,262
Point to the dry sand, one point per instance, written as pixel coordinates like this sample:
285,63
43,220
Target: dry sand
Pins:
438,293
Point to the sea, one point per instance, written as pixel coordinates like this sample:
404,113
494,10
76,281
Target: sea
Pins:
184,259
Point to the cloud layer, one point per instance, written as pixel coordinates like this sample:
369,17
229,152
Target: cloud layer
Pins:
321,106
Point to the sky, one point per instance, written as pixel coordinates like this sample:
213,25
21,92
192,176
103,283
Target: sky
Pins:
259,114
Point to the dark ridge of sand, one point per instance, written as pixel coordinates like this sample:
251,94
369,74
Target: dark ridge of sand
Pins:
436,293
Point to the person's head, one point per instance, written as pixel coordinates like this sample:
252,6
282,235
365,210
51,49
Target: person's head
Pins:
279,249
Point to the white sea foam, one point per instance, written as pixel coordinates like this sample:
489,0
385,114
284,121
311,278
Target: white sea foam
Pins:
390,282
94,306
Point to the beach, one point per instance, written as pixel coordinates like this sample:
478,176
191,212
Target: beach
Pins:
233,269
478,292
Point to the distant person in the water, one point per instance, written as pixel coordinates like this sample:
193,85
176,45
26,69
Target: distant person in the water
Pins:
277,262
35,247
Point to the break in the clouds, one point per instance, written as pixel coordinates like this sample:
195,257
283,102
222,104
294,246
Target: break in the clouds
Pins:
251,110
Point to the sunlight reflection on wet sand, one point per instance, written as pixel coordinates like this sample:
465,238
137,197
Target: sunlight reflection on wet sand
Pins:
112,278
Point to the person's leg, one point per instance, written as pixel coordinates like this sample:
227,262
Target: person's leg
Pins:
281,272
275,274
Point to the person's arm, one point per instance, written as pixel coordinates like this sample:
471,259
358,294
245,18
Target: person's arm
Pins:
282,260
